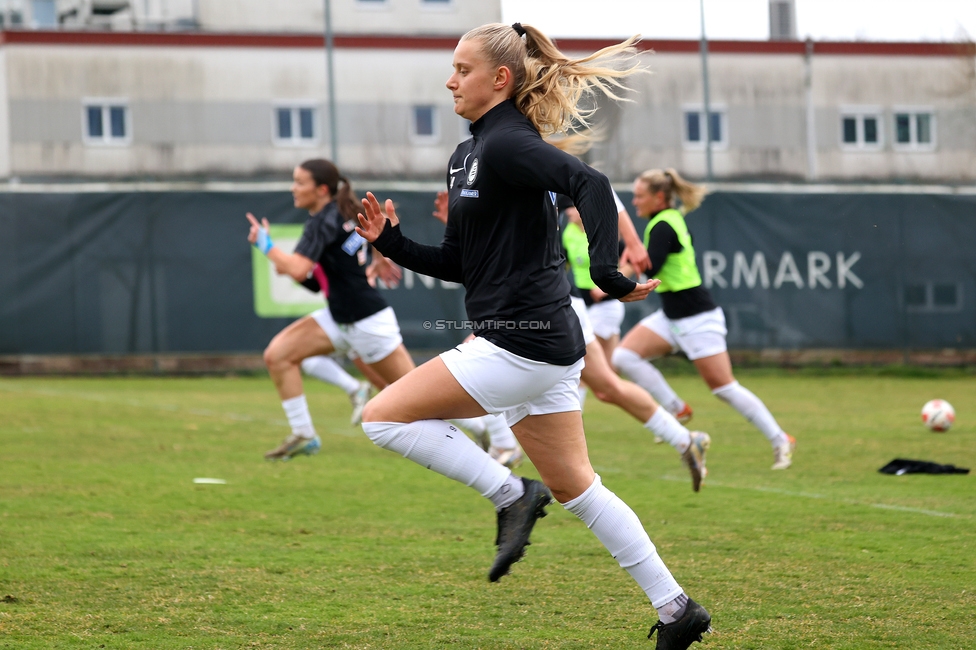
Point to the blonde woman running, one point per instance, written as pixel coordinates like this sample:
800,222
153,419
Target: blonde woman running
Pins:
689,320
502,243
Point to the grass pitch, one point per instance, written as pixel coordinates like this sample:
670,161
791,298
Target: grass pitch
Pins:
105,541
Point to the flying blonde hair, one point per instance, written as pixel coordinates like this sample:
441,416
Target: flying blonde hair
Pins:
549,86
672,184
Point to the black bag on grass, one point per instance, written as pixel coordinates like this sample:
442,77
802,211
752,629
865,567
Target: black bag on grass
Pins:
901,466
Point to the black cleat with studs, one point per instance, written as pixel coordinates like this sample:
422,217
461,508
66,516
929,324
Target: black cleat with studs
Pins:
515,524
688,629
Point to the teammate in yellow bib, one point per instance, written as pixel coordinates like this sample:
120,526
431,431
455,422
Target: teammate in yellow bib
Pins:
688,321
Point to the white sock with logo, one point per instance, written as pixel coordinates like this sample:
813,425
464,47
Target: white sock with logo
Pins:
752,409
499,433
296,410
441,447
644,374
621,532
673,432
474,425
328,370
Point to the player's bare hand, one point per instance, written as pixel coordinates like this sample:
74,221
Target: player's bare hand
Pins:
641,291
373,218
440,207
252,236
636,256
385,270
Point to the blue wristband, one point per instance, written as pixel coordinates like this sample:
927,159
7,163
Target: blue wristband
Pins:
264,243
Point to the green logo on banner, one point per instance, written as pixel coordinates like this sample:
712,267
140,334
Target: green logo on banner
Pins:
278,296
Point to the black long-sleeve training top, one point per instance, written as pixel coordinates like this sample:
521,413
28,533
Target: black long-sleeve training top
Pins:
502,240
676,304
333,242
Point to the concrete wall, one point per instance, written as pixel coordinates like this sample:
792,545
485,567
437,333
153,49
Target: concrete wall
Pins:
204,107
211,110
452,17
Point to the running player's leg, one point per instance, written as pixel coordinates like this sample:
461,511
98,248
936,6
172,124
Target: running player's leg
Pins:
393,366
302,339
371,375
557,447
608,344
608,387
408,418
649,340
606,318
502,444
716,370
326,369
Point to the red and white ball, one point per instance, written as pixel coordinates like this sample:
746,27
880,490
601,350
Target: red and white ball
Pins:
938,415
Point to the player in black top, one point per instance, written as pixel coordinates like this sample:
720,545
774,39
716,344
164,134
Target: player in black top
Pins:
502,243
329,253
689,321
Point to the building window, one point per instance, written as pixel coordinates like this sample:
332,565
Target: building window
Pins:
914,129
694,127
107,122
933,297
860,129
295,125
44,15
424,128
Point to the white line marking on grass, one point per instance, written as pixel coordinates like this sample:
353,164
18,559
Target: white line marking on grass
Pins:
169,408
813,495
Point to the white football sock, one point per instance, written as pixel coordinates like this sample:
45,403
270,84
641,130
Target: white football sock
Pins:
619,529
474,425
441,447
644,374
582,396
296,410
328,370
498,432
752,409
673,432
671,612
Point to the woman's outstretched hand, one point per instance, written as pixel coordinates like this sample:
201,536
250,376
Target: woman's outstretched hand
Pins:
373,218
258,235
440,207
641,291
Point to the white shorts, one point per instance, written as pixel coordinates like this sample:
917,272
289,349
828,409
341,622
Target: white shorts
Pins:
698,336
584,318
502,382
372,339
606,317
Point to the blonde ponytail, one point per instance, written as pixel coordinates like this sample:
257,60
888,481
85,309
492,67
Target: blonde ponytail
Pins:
549,86
672,184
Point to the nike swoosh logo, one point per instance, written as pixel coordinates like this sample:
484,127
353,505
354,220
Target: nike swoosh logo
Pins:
459,169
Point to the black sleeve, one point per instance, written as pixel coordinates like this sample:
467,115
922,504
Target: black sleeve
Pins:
524,159
442,262
319,232
663,242
311,284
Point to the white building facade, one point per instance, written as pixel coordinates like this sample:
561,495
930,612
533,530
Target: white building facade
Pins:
242,92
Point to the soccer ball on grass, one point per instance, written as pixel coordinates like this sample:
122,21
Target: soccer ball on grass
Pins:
938,415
